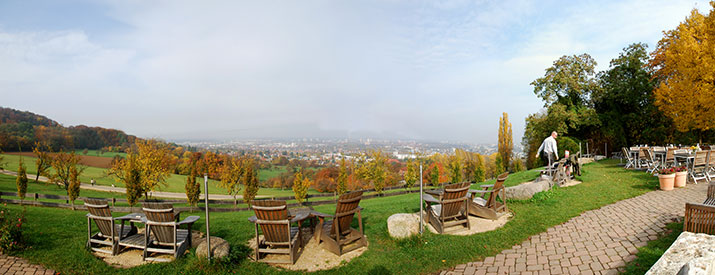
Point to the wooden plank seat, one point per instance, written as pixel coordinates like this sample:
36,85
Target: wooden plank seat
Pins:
451,209
337,234
163,233
279,237
484,202
110,233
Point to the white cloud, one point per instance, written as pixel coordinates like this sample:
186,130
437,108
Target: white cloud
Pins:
443,70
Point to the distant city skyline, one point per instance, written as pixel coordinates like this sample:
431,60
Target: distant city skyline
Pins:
412,70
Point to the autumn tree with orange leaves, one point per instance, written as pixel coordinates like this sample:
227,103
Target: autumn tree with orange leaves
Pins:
684,64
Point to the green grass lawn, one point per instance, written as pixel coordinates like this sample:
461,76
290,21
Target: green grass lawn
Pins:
96,153
175,183
57,236
649,254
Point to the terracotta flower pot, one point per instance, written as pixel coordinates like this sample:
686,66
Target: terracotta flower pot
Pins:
680,179
666,182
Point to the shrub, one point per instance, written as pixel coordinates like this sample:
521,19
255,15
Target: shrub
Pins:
567,143
11,230
193,189
21,181
73,189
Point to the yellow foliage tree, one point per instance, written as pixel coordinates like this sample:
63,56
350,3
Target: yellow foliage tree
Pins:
150,164
300,187
684,64
63,163
231,174
250,180
153,160
454,165
343,177
43,161
506,143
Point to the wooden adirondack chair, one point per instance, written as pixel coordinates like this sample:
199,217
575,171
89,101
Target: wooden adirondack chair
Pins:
337,234
163,234
109,231
487,206
278,236
451,209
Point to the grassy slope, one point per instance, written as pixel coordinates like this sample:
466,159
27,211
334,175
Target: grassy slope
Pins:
58,239
175,183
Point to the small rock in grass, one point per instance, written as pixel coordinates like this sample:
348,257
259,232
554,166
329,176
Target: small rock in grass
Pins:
219,248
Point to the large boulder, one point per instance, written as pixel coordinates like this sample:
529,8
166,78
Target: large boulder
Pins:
219,248
403,225
527,190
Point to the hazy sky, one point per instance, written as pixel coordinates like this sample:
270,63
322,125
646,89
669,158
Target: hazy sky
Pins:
435,70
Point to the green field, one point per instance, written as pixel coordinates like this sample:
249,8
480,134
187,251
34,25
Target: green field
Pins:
175,183
57,236
96,153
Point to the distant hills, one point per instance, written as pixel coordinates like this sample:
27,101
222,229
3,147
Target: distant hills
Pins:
19,130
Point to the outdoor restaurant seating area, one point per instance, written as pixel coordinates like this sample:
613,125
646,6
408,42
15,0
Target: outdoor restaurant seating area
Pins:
698,160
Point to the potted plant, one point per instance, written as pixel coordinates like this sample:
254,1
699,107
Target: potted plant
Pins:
681,176
666,176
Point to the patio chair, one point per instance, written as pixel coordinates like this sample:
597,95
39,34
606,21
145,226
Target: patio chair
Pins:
109,231
710,169
451,209
699,218
487,206
279,237
643,159
710,199
670,157
630,163
699,168
337,234
651,162
163,234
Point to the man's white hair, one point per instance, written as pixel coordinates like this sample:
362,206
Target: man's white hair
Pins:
554,133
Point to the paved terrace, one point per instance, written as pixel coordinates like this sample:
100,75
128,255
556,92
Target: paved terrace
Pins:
15,265
599,241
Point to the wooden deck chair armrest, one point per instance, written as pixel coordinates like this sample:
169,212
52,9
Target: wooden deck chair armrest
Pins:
300,217
100,217
429,198
189,220
160,223
700,206
321,215
474,191
433,192
486,185
126,217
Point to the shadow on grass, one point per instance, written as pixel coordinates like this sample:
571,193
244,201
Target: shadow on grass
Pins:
649,254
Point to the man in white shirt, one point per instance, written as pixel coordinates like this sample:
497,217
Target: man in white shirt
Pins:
548,147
